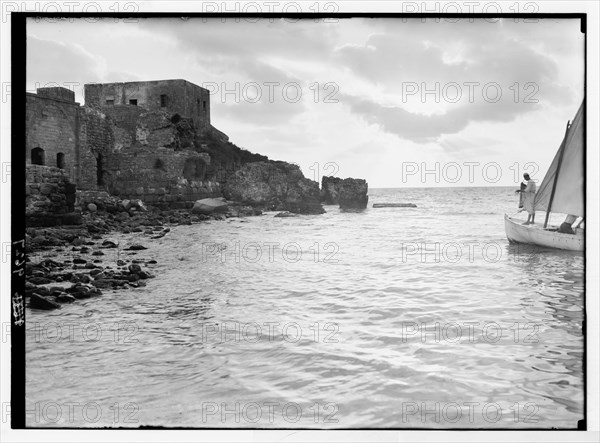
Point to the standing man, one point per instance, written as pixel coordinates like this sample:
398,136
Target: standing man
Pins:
528,199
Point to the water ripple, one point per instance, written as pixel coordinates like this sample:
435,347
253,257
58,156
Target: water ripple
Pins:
338,316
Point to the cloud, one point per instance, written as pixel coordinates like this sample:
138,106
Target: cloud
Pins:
435,78
56,64
247,39
114,77
421,128
479,52
262,94
262,112
369,61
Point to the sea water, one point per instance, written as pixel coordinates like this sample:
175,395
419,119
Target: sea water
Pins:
419,317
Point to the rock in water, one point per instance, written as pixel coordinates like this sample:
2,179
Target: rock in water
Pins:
353,194
285,214
330,190
208,206
135,269
394,205
275,186
65,298
39,302
110,243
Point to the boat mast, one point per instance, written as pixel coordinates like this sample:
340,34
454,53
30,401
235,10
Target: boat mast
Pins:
560,157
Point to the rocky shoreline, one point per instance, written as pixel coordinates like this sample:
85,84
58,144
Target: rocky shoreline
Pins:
76,259
72,262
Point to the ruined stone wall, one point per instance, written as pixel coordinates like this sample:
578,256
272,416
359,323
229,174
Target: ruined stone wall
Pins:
124,122
144,150
154,128
96,142
160,176
157,128
57,92
135,153
172,96
197,106
53,127
49,196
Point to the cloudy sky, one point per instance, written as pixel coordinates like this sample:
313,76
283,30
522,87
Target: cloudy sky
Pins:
383,99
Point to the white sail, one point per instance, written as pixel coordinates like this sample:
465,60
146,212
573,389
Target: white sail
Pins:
568,195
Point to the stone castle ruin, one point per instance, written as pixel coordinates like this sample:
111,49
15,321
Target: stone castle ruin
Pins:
144,140
149,141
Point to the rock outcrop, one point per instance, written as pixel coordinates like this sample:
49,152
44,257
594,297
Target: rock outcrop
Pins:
330,192
349,193
353,194
274,186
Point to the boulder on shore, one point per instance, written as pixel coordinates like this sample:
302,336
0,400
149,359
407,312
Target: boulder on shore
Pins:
40,302
208,206
285,214
108,243
135,247
274,186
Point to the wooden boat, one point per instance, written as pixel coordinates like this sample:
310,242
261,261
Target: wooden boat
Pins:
561,191
548,237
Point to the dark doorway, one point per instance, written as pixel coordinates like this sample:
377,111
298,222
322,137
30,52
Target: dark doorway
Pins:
100,170
60,160
38,156
163,101
133,102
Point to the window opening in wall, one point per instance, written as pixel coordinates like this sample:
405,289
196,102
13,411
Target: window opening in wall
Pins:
133,101
110,102
60,160
38,156
163,101
204,105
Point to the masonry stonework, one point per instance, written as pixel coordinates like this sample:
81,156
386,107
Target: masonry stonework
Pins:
49,196
136,140
161,177
53,130
173,96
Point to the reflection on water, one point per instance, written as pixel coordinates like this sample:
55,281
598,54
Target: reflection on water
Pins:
397,318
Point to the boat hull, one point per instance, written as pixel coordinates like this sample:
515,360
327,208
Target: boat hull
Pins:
537,235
